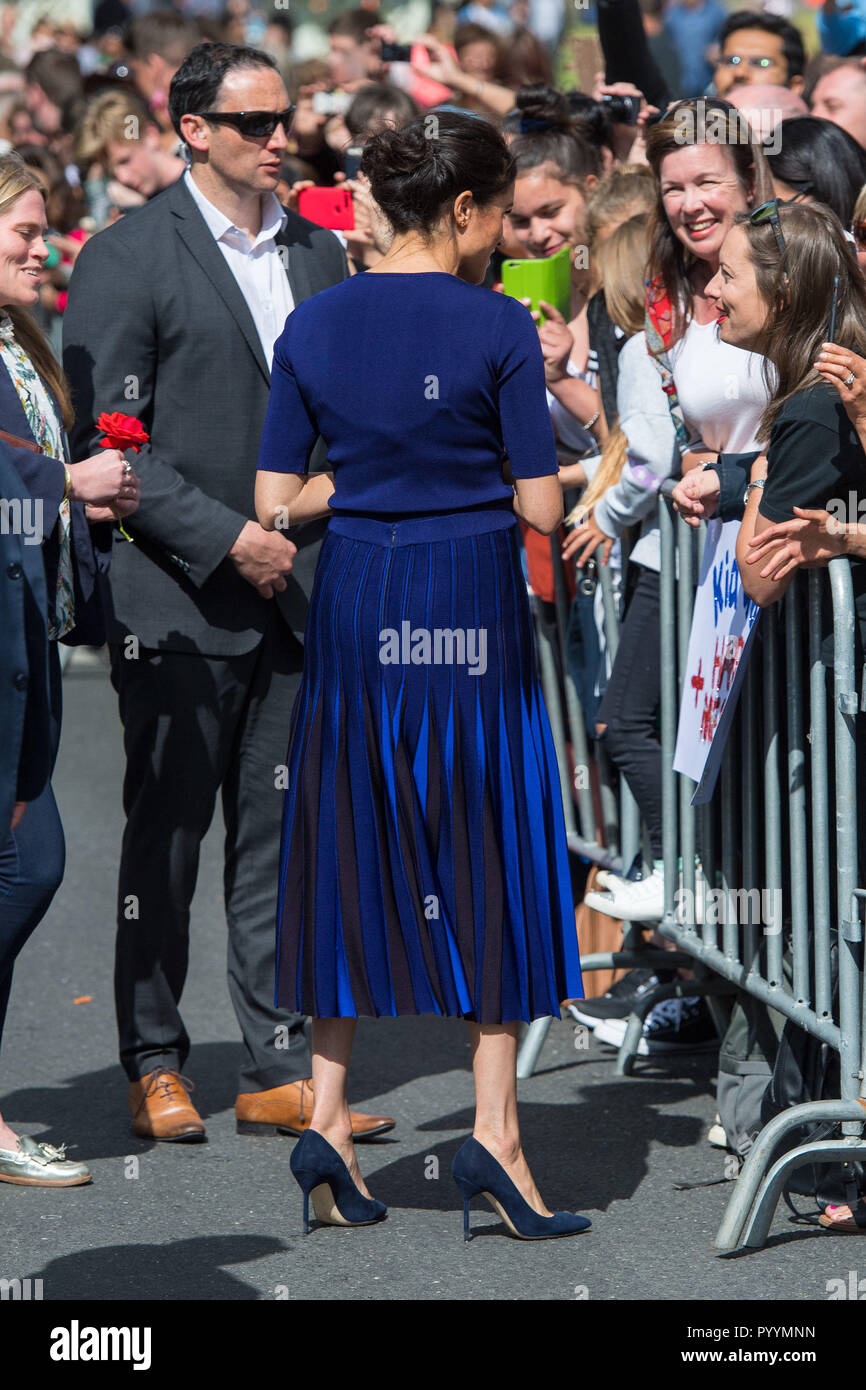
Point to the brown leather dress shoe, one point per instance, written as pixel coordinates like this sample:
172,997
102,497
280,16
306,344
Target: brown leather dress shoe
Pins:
289,1109
161,1108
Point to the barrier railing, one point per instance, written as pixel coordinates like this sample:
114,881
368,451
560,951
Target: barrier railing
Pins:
794,939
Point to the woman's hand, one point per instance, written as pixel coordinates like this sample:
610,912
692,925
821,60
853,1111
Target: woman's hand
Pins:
836,365
696,496
102,480
629,140
442,67
556,338
585,540
294,190
814,538
122,508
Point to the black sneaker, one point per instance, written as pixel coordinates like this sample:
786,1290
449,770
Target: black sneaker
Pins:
619,1000
674,1025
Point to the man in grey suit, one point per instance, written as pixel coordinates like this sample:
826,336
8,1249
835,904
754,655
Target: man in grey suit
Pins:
172,317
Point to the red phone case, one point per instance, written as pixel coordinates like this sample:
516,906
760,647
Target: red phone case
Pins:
327,207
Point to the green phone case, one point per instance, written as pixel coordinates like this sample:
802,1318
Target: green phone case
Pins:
547,278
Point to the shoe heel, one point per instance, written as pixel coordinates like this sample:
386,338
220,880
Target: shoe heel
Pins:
307,1181
469,1191
254,1127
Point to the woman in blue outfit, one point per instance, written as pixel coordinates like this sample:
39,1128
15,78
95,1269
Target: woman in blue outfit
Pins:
424,864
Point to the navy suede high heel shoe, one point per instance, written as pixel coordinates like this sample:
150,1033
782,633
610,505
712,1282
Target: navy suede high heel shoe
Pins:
476,1171
322,1175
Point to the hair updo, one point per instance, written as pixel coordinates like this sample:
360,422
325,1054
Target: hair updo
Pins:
416,172
550,128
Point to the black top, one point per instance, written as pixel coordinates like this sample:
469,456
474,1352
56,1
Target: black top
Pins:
815,460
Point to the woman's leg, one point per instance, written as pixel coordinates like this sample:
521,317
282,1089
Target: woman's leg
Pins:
32,860
332,1048
630,706
494,1064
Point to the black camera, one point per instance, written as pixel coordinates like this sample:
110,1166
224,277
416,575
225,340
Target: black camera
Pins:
396,52
622,110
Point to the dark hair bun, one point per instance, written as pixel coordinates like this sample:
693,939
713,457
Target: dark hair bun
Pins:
540,102
415,172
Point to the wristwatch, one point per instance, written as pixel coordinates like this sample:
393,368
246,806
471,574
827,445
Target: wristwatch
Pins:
759,482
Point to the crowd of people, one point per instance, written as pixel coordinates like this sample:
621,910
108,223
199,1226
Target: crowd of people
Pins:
245,472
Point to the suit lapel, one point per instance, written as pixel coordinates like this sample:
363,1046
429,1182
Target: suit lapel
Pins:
200,242
296,268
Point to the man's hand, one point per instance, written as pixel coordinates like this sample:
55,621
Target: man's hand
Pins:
264,558
17,813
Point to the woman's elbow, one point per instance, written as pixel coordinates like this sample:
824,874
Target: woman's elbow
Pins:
545,522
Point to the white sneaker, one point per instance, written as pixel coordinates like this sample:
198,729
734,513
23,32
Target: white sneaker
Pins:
674,1025
610,882
641,901
716,1135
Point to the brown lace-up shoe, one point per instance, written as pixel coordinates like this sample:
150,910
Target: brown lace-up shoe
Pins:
289,1109
161,1108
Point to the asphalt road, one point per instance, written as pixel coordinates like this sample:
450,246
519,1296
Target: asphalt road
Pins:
223,1220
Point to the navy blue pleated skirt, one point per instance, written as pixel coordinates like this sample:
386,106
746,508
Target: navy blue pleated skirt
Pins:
424,865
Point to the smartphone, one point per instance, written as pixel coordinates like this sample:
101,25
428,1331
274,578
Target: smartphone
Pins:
547,278
622,110
352,160
328,207
426,90
396,52
331,103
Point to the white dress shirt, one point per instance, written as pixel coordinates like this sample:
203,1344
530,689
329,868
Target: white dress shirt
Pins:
257,265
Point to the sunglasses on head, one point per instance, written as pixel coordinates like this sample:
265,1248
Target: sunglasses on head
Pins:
254,123
858,231
769,212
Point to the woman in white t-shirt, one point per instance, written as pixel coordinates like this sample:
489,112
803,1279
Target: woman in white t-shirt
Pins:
716,395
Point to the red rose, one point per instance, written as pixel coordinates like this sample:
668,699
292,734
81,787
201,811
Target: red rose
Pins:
121,431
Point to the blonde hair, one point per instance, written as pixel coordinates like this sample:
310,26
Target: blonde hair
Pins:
622,265
621,195
859,213
16,179
622,261
111,117
613,457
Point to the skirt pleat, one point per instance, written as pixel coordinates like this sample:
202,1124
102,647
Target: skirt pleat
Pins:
424,866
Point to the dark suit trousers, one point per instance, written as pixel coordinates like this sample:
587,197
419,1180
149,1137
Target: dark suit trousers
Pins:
194,726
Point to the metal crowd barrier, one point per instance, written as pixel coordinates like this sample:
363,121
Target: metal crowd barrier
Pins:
790,764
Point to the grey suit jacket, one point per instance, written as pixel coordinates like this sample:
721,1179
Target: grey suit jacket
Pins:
156,327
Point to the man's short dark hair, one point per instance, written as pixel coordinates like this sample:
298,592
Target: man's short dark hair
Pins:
354,24
196,85
792,39
58,74
164,32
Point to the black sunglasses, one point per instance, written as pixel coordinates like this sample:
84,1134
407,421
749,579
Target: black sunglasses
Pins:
255,123
769,212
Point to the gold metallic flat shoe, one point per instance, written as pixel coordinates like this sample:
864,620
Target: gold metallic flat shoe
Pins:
41,1165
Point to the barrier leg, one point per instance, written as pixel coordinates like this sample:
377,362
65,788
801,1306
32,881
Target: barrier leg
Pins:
531,1044
749,1182
758,1225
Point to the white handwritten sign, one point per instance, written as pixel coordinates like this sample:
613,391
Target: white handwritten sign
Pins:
722,626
